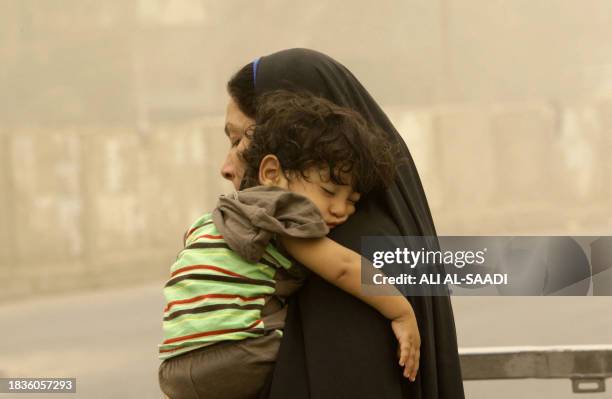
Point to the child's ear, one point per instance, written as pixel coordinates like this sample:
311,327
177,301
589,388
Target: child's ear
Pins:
270,171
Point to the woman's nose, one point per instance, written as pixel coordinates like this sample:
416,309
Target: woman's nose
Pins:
227,169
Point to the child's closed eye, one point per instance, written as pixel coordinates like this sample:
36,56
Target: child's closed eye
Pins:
327,191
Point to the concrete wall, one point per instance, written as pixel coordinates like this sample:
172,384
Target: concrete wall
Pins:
124,61
87,208
96,207
522,168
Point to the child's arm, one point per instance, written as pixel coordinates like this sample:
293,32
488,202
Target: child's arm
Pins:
342,267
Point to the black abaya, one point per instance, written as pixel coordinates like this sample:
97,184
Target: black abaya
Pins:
335,346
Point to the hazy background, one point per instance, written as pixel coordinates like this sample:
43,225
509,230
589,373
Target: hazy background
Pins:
111,138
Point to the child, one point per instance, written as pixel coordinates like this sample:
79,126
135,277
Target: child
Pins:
306,165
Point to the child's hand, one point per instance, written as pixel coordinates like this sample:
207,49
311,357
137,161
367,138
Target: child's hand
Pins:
409,351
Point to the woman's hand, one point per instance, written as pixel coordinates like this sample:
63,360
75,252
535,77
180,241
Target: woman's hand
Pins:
409,351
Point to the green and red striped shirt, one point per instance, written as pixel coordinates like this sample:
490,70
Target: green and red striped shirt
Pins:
213,294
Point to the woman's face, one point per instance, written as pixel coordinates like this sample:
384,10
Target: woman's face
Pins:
236,123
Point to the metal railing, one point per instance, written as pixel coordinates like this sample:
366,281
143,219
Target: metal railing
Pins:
587,366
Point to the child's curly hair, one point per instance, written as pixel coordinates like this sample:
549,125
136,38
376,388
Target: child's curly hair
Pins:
305,131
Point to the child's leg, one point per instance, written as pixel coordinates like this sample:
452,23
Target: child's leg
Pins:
175,379
235,370
227,370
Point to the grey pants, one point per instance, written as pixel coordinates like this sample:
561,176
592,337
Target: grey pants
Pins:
227,370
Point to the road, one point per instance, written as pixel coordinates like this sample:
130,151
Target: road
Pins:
108,339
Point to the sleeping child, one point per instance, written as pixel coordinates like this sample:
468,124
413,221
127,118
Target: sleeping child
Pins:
307,163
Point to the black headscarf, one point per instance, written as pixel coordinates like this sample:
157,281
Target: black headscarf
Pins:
335,346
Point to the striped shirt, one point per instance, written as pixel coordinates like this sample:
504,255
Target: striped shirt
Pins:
213,294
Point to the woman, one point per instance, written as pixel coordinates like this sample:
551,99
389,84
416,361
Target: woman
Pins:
344,349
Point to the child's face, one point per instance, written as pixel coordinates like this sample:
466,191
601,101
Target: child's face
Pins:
336,202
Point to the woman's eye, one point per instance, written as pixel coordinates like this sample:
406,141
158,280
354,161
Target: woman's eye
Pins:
235,143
